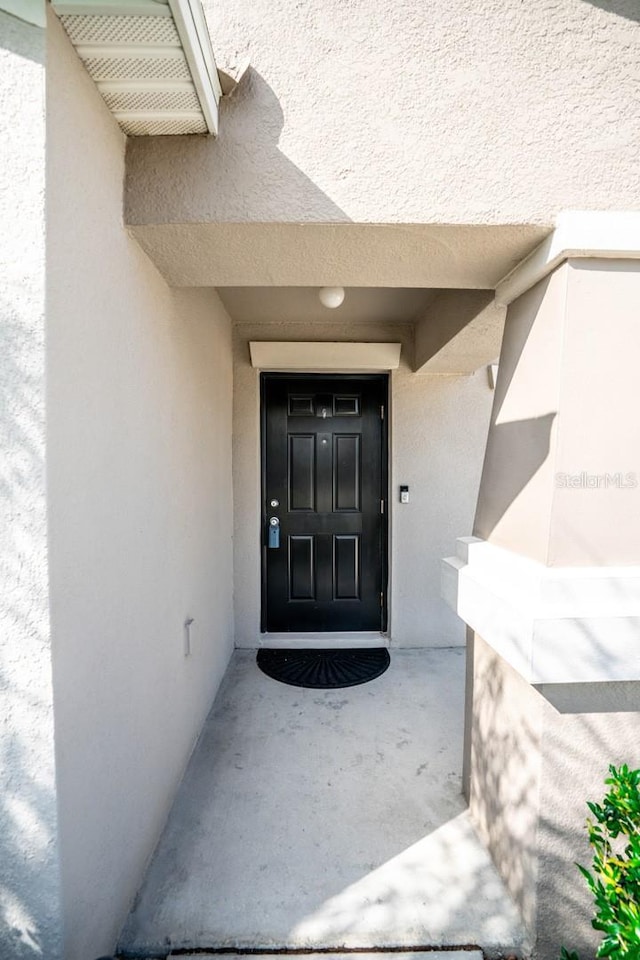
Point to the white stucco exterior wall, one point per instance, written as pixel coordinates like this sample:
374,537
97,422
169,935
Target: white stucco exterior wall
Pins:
499,112
439,427
30,920
139,399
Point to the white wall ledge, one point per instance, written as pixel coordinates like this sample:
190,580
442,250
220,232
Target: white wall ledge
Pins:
578,233
552,624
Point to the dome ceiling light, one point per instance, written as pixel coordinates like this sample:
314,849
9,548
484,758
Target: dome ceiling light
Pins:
331,297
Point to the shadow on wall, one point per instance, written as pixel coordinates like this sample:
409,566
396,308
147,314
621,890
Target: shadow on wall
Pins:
506,787
526,444
539,755
502,777
516,449
242,169
581,747
622,8
28,893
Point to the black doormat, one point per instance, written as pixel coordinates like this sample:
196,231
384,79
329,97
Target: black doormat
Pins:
324,669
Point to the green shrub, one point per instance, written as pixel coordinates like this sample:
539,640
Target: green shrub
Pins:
566,955
614,878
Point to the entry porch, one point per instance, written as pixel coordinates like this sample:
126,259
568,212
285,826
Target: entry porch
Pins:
326,819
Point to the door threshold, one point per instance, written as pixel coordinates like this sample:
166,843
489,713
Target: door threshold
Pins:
323,641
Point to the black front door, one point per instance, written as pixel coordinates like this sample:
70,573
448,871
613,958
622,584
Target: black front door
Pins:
324,502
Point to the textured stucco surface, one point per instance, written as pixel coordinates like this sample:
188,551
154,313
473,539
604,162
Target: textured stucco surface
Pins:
561,481
517,487
533,769
505,731
30,920
596,434
565,386
291,304
318,254
438,433
139,433
500,112
460,331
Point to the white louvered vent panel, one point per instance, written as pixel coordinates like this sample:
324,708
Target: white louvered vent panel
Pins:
137,68
162,128
155,81
130,101
120,30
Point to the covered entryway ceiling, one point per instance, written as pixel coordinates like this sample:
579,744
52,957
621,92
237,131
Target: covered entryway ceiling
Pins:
302,304
454,331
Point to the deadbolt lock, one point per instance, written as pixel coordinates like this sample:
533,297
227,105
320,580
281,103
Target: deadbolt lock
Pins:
274,533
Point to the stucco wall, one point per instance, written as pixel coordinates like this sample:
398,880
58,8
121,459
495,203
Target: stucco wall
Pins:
517,488
500,112
596,434
561,482
438,433
537,756
139,400
29,879
504,716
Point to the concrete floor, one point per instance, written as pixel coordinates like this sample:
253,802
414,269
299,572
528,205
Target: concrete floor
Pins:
326,819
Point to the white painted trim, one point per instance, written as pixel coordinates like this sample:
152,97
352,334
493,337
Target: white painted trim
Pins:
552,624
155,116
29,11
332,357
578,233
112,8
128,86
196,42
322,641
137,50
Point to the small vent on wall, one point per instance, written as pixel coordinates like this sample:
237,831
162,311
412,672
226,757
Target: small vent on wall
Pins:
151,61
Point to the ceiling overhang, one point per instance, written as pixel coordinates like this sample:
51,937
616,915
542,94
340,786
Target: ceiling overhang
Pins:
151,60
474,256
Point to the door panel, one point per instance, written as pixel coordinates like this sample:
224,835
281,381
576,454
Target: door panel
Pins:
346,472
302,581
302,472
324,469
346,558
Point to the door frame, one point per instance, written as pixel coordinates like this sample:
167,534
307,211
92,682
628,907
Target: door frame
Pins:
383,379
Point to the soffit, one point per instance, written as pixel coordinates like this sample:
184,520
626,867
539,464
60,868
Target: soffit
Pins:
151,61
345,254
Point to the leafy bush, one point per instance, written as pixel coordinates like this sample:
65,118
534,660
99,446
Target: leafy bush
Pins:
614,878
566,955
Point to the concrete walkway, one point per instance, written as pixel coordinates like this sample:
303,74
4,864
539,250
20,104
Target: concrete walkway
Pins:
326,819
